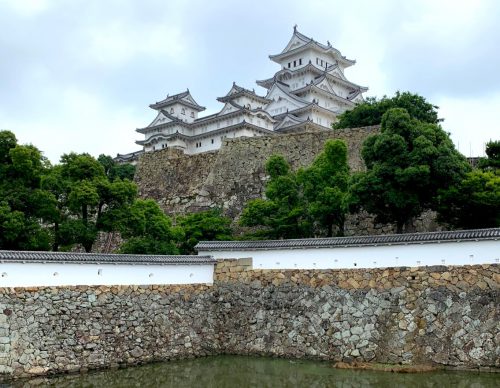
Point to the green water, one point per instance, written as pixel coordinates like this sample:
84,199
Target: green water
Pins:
240,372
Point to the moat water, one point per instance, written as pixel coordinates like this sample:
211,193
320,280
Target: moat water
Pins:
240,372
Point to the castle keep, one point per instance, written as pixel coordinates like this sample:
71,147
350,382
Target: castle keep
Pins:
307,93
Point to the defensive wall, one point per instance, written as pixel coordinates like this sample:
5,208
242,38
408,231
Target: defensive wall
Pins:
448,316
233,175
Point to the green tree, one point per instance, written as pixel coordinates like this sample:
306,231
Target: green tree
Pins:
114,170
370,112
23,204
282,213
86,200
407,163
474,202
203,226
149,231
325,188
492,161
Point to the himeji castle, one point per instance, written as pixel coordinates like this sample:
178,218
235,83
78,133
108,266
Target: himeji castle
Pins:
306,94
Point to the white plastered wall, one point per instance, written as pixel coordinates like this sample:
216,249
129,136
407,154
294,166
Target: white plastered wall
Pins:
52,274
414,255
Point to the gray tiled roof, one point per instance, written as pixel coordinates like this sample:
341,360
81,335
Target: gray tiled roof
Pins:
393,239
179,97
99,258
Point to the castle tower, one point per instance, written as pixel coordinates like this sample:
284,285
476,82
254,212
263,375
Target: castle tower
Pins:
311,85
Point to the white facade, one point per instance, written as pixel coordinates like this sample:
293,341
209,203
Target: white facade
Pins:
307,93
469,252
59,274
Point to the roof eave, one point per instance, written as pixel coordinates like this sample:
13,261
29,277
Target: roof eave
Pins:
161,105
355,241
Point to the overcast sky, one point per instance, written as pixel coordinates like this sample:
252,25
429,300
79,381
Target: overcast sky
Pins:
78,75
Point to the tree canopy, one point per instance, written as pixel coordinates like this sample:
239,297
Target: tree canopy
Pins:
282,213
312,201
475,201
22,202
115,170
407,164
148,230
492,160
325,188
207,225
87,201
370,112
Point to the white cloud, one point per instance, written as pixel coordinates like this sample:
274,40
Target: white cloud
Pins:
84,122
78,75
471,122
27,8
119,41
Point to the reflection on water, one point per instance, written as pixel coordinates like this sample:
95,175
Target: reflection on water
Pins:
239,372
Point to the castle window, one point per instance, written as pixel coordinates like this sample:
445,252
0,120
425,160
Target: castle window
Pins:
192,114
212,141
183,111
321,62
289,65
300,61
294,63
317,61
171,110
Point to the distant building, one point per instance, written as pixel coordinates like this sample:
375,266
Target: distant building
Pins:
307,94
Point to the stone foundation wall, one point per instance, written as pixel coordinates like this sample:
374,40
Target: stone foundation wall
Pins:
449,316
443,315
230,177
56,330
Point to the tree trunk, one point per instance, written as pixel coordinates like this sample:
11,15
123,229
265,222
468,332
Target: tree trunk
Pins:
341,226
87,247
55,246
329,230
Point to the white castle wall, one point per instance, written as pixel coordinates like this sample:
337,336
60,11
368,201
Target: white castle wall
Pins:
53,274
412,255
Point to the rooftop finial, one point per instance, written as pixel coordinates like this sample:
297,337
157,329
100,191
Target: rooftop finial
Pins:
295,28
329,44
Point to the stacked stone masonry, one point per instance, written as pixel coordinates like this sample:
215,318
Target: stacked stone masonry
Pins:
230,177
439,315
60,330
447,316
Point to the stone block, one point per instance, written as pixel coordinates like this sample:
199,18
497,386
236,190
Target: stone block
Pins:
245,262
